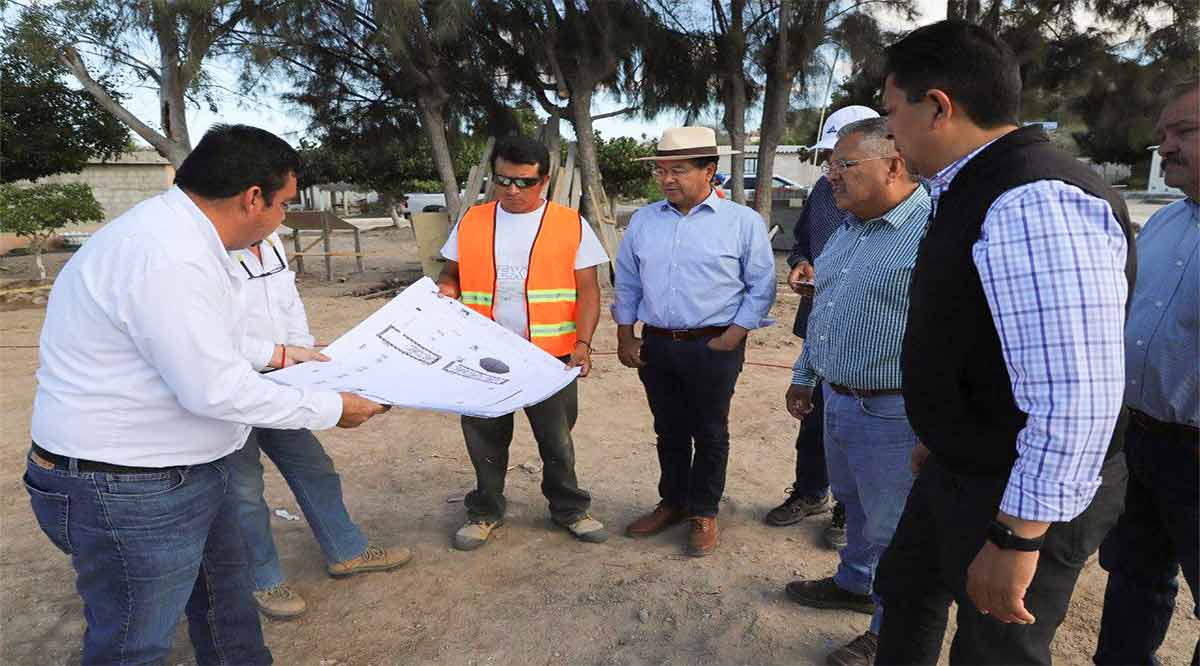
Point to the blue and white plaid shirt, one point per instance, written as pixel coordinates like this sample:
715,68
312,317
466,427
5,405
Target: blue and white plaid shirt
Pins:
1052,262
860,308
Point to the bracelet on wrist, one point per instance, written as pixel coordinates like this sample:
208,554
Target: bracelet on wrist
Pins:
585,343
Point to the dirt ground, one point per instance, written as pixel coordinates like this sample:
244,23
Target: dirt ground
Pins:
533,595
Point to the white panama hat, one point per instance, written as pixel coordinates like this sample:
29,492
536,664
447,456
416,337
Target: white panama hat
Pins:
681,143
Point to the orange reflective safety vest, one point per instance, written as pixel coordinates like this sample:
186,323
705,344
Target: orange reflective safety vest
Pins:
549,283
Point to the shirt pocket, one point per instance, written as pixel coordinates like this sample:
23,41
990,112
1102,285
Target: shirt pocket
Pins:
280,290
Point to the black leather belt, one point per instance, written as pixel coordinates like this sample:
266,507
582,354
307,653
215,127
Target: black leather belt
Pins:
91,465
1151,424
862,393
685,333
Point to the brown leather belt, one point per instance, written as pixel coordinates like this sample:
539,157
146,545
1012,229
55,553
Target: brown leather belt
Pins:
91,465
862,393
1152,424
684,334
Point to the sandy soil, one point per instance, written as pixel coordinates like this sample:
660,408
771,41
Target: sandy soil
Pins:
534,595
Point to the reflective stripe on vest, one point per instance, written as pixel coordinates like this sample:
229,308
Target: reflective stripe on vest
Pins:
549,284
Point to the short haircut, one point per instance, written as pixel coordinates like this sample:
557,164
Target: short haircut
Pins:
522,150
971,65
876,138
231,159
875,133
702,162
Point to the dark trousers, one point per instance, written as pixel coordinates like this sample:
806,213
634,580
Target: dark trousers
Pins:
812,477
488,441
148,548
1157,534
925,568
689,387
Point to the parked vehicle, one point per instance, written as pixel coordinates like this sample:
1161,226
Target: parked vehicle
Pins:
780,185
432,202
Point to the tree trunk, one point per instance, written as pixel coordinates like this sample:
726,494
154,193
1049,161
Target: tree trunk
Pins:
170,149
593,190
433,117
735,124
35,245
735,98
775,103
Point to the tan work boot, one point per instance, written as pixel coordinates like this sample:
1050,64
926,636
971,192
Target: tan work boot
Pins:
373,558
704,535
654,522
279,602
475,533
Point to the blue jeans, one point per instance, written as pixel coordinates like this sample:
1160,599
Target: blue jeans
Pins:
309,472
868,448
1158,534
146,548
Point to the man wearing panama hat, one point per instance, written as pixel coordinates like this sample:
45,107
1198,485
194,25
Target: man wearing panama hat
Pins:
698,272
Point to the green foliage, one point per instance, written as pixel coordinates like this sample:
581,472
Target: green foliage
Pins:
37,212
622,175
45,126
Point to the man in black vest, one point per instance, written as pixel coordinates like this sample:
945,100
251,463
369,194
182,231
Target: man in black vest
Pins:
1013,362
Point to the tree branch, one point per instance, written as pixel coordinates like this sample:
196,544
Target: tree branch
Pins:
610,114
166,147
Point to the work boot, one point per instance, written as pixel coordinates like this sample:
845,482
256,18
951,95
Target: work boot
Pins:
796,507
704,535
373,558
279,602
652,523
858,652
825,593
835,532
587,529
475,533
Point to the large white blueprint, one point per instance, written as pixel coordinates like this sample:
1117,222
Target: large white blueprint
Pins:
426,351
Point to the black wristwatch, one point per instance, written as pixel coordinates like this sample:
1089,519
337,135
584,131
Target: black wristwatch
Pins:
1005,539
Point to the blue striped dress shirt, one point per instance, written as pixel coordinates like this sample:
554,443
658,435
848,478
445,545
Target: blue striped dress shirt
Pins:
1162,361
860,308
711,267
1051,259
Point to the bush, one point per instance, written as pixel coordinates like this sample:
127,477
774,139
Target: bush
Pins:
39,211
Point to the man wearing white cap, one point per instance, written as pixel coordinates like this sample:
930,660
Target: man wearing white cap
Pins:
698,272
809,495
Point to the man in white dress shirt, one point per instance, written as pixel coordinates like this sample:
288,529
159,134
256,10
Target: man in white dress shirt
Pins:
274,318
143,390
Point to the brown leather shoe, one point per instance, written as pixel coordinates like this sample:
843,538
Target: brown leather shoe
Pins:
652,523
704,536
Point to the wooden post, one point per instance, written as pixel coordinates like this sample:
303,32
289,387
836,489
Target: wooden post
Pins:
358,259
327,239
299,257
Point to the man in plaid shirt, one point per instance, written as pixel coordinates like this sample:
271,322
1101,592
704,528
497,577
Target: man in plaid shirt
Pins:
1013,362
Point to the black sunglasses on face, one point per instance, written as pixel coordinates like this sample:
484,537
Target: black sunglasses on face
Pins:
523,183
273,271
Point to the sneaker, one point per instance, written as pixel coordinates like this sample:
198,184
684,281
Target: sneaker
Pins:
279,602
795,508
858,652
835,533
587,529
373,558
475,533
825,593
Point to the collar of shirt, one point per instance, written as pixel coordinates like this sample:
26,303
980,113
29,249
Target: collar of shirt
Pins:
941,182
180,201
899,215
711,201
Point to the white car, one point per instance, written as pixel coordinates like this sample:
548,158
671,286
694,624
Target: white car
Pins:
779,184
432,202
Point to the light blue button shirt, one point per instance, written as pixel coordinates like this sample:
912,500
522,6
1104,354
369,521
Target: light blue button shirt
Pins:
711,267
1162,357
